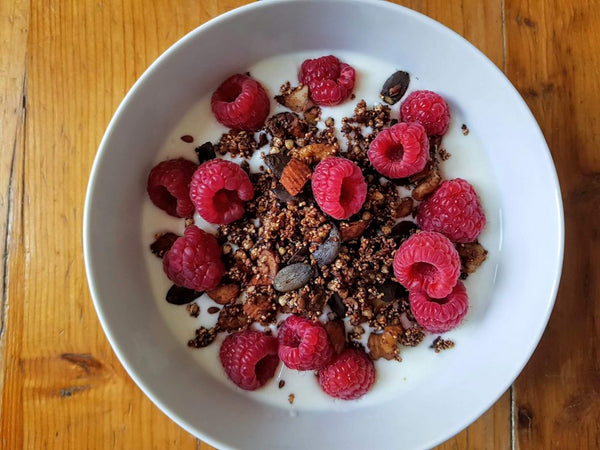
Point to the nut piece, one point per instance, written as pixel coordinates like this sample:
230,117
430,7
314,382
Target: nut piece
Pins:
276,162
337,335
292,277
294,176
260,308
225,293
297,99
266,267
385,345
314,153
404,208
337,305
395,87
179,295
312,115
233,318
354,230
163,243
471,256
428,185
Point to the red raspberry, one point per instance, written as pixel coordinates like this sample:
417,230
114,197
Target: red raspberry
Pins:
400,151
194,260
249,358
429,109
453,210
329,80
219,189
427,261
304,344
443,314
241,102
169,186
349,376
339,187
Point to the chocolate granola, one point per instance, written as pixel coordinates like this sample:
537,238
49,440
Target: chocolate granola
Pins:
286,256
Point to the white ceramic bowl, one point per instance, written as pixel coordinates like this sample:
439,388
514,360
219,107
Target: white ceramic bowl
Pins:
529,254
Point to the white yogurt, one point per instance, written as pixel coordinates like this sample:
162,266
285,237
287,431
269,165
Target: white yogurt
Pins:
468,161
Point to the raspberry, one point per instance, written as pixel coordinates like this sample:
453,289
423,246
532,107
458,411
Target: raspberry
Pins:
339,187
400,151
453,210
169,186
241,102
329,80
440,315
427,261
249,358
219,189
194,260
349,376
304,344
427,108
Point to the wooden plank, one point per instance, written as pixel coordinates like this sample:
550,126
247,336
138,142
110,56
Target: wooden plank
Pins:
481,24
64,387
553,58
14,20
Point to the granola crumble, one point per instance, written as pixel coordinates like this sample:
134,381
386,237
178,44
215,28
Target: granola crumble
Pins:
283,225
440,344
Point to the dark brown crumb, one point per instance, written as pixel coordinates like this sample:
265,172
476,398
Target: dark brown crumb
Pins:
440,344
205,152
204,337
465,129
237,143
187,138
281,384
193,309
291,398
412,337
213,309
163,243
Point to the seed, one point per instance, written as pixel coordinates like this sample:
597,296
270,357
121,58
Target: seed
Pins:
395,87
178,295
328,251
292,277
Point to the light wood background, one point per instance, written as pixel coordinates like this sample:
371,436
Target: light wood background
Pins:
64,67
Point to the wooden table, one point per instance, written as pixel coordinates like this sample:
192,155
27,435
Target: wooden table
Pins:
64,68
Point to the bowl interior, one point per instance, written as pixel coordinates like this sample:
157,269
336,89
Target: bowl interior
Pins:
529,260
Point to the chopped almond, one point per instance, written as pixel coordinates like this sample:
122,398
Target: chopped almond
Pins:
294,176
224,294
385,345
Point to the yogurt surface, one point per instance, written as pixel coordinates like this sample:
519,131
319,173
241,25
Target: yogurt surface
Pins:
468,161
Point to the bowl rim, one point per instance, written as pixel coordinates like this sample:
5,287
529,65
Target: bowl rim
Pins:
102,149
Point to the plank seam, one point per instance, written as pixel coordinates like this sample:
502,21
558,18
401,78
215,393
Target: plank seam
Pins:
9,210
512,418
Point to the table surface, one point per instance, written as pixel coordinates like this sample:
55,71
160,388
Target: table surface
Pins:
64,68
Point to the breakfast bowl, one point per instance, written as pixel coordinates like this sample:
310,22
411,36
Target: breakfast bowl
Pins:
426,398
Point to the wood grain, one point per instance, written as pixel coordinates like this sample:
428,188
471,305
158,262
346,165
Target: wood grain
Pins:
553,59
14,21
61,385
